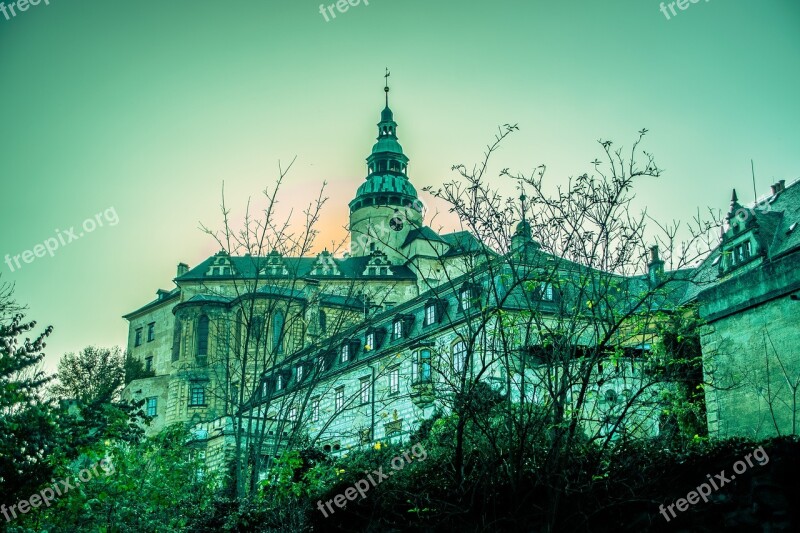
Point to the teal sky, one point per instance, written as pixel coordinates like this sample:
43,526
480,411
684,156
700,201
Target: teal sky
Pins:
146,107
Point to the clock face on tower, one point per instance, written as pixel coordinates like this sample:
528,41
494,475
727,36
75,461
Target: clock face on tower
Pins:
396,223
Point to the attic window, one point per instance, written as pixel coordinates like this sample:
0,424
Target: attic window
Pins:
397,329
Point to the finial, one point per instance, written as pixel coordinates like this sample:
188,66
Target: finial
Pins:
734,198
386,87
522,199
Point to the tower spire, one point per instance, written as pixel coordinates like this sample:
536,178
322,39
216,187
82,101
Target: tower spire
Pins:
386,85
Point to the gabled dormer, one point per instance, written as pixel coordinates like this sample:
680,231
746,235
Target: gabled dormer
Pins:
743,239
275,266
221,265
378,265
325,265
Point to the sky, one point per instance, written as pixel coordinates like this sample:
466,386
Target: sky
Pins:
131,115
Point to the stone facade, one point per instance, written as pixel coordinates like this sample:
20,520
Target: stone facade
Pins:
751,337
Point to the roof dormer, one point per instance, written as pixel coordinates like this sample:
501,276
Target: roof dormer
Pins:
275,265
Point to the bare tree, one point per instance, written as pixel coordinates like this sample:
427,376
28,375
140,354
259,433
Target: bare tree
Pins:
569,289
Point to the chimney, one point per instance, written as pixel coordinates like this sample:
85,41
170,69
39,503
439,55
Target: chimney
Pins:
183,268
655,269
778,187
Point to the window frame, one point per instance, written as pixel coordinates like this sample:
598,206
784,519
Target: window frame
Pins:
151,332
430,314
202,334
137,340
421,375
459,361
394,380
194,395
398,329
315,409
465,299
152,407
278,326
364,390
338,399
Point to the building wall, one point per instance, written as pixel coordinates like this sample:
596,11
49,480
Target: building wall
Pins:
750,349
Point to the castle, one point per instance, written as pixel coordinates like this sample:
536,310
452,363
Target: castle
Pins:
273,351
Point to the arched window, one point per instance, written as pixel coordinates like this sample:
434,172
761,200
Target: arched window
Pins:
459,357
177,335
202,335
323,322
277,331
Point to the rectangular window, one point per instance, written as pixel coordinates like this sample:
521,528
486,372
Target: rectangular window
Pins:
397,329
197,396
314,409
299,373
459,357
546,291
293,414
345,353
370,344
424,365
138,341
338,401
466,299
151,332
746,247
279,382
148,364
364,390
430,314
394,380
202,335
152,406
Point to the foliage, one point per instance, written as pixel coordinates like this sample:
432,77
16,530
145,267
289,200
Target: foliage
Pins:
90,383
92,375
153,486
135,369
28,425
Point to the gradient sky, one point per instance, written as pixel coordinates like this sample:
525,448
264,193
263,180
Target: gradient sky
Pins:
146,107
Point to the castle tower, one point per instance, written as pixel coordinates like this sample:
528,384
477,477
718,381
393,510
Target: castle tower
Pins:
386,206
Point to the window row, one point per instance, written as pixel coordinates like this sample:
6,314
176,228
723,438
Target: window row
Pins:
422,366
151,334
